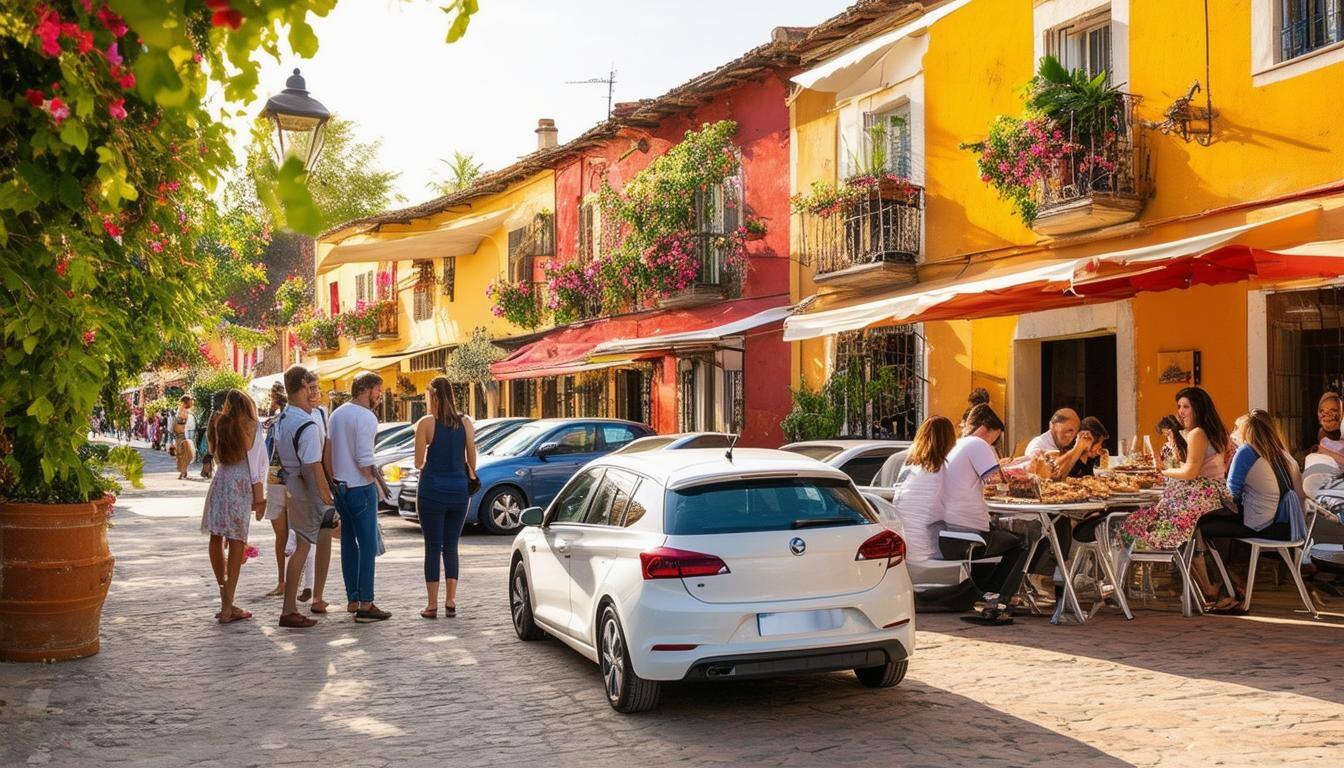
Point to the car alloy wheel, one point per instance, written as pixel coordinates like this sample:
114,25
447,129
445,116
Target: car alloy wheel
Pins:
506,510
520,605
613,659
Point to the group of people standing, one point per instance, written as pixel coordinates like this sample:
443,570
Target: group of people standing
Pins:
314,477
1220,486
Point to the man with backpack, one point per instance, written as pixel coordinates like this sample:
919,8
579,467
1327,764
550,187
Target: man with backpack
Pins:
299,448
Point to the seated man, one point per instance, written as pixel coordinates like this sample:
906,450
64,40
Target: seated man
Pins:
1060,445
970,465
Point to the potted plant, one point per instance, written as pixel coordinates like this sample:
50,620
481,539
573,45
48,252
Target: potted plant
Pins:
360,323
753,229
518,303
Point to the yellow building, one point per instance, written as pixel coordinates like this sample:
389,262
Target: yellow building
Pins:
422,272
1200,251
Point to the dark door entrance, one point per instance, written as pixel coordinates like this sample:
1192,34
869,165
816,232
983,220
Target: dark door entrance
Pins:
631,393
1080,374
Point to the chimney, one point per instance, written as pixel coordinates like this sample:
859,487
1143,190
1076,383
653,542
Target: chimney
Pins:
546,133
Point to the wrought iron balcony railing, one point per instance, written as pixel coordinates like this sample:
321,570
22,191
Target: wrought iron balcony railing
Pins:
875,227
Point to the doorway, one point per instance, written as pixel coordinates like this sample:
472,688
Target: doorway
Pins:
632,387
1080,374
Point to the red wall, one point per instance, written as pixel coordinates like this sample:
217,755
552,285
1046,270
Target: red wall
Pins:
762,116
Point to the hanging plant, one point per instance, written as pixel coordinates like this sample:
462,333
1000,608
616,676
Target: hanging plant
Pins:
318,332
518,303
573,290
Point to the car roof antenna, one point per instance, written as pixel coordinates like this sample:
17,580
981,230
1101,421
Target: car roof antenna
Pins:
732,441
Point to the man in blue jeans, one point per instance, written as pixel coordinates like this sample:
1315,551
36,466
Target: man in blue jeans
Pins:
351,434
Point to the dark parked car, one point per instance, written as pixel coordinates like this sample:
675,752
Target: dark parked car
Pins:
530,466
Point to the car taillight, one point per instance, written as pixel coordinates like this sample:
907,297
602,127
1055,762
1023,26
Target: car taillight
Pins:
886,544
669,563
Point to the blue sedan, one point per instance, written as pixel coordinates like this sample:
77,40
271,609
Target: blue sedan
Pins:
530,466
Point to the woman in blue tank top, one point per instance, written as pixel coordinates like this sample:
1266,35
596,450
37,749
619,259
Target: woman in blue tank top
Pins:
445,454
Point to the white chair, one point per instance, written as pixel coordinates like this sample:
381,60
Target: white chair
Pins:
1292,553
1191,601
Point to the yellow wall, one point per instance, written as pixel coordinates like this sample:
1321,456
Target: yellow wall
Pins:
1270,140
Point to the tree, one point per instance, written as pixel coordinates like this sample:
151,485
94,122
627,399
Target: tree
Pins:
470,364
460,172
346,184
107,145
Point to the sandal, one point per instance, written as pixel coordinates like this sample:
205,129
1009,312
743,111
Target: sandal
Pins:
319,606
296,620
278,591
237,614
429,613
450,611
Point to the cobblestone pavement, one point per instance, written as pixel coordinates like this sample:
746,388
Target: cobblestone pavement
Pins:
171,687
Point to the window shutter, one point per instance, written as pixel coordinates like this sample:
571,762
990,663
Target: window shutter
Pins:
449,276
334,293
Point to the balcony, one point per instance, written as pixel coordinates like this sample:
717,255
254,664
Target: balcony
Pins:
714,278
1103,181
374,321
868,238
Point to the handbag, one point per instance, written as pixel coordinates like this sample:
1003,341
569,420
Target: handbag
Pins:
473,482
172,449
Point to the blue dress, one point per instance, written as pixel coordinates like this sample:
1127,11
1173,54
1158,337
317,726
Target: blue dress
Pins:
444,477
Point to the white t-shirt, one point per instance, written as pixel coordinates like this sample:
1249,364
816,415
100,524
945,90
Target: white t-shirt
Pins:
1042,444
918,499
310,442
963,493
352,431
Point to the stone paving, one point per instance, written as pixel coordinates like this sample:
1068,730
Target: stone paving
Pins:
171,687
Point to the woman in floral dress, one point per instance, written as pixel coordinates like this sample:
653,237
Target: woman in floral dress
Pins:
235,490
1195,487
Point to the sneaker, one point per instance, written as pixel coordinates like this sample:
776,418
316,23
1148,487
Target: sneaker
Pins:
371,614
296,621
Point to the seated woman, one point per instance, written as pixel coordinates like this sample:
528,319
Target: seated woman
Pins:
919,488
1265,483
1329,441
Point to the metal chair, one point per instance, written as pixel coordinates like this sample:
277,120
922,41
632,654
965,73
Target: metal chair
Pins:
1099,555
1292,553
1191,601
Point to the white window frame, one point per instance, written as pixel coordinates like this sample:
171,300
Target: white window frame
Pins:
1266,66
903,151
1049,15
1071,43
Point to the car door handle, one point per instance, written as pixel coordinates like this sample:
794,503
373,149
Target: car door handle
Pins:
562,547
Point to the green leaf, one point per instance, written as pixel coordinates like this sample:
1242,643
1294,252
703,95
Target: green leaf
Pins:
301,213
464,9
29,344
158,78
157,22
41,409
302,39
74,134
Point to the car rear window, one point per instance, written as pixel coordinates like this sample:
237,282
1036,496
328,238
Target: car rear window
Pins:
765,504
821,453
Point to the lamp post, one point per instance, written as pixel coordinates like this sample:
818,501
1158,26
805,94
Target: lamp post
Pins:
300,122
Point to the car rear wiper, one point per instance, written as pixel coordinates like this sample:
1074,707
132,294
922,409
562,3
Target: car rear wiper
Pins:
819,522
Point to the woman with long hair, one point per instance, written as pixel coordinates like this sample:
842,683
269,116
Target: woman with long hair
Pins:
236,488
919,486
445,454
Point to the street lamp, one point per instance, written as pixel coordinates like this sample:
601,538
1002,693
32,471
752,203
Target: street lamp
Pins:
300,121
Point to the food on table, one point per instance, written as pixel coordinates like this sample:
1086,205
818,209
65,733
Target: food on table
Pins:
1022,485
1119,483
1061,492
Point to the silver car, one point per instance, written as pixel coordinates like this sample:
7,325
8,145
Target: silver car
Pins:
860,459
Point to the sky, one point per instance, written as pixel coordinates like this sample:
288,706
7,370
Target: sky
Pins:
384,65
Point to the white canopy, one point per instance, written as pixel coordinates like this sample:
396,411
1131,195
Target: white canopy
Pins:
693,338
836,73
264,383
458,238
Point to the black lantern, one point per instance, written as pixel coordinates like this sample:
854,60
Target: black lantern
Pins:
300,122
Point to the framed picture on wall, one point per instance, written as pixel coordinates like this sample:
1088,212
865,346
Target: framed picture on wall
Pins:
1179,367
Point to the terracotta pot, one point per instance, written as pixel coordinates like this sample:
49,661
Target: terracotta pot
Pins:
754,236
55,569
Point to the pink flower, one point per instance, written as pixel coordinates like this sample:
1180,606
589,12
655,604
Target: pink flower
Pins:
156,246
89,336
126,80
117,109
112,22
113,55
250,552
35,97
111,228
48,30
58,110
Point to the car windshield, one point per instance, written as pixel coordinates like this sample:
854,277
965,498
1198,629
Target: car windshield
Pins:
822,453
520,441
500,431
764,504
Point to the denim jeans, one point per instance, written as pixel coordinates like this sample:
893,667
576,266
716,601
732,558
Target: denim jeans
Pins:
359,539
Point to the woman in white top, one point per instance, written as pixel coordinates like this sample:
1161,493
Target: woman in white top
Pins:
235,489
919,488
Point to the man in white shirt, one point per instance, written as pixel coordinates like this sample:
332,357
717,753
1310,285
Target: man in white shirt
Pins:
352,432
970,465
322,551
299,446
1061,443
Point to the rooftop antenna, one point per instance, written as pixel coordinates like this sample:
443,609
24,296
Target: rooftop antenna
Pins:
609,81
732,441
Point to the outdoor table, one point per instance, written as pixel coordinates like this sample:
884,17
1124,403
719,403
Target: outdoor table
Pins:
1047,514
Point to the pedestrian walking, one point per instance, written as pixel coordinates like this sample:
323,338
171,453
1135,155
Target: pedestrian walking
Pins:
298,449
275,491
235,490
445,454
182,430
353,430
330,528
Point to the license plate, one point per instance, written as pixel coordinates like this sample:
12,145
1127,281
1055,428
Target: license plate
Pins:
799,622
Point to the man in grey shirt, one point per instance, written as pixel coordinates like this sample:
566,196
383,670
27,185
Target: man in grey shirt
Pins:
299,446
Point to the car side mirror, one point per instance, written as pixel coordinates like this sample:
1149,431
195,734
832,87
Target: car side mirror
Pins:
546,449
532,516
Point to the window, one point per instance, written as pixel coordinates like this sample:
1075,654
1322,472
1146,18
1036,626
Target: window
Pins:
717,211
1308,25
1083,44
1306,359
590,234
862,469
334,299
647,496
577,439
550,399
423,295
522,397
432,360
449,276
887,140
744,506
608,507
364,287
616,435
520,261
569,507
890,361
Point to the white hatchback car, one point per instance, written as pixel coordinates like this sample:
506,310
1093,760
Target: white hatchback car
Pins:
691,565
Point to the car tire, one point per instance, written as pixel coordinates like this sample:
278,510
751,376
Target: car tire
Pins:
520,605
504,520
627,692
885,676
